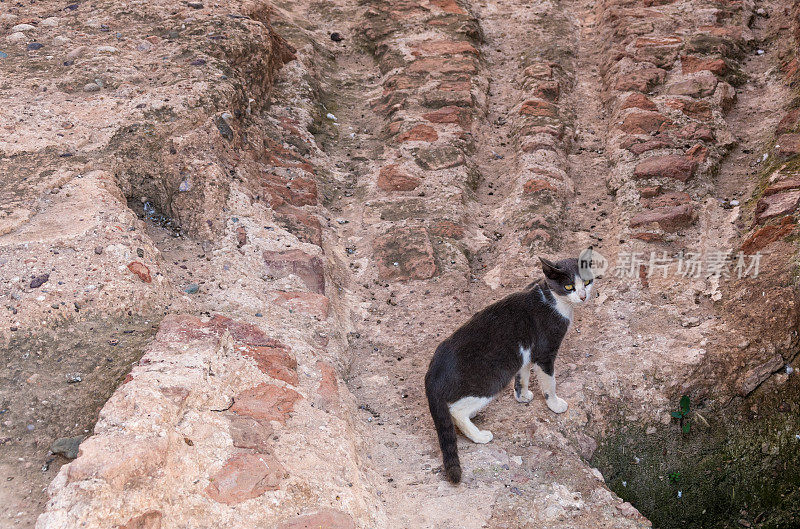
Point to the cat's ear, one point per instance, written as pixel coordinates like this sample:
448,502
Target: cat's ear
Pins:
550,269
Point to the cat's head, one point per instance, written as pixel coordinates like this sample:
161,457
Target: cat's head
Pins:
570,278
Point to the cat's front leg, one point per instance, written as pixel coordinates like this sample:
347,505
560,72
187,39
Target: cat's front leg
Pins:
521,380
547,383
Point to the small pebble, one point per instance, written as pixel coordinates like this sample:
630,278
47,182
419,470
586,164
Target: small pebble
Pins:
73,378
331,117
195,5
259,315
22,27
40,280
336,37
734,202
33,46
3,55
91,87
15,37
98,250
760,52
192,289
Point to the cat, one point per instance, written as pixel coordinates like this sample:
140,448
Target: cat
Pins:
499,343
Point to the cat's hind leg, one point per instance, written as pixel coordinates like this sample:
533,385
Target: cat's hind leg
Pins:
463,410
547,383
521,381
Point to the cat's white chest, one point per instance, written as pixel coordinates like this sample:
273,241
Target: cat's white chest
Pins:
563,307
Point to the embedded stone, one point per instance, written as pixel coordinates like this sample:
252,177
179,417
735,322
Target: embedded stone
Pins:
701,85
249,433
307,267
405,253
766,235
776,205
450,114
637,100
669,166
783,185
539,108
141,271
643,122
693,64
447,229
638,146
536,185
788,122
419,133
445,47
118,461
266,401
393,178
315,305
668,218
321,519
642,80
787,145
275,360
439,157
245,476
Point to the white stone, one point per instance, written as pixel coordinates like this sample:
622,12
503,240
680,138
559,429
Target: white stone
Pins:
22,27
50,22
15,37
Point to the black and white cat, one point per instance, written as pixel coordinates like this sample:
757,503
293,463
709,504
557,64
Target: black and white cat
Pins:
499,343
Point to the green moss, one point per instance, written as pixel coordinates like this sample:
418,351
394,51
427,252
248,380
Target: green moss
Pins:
735,465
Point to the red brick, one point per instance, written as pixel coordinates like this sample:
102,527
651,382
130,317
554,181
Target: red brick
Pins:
419,132
298,191
249,433
701,85
274,360
549,90
783,185
450,114
405,253
315,305
649,192
539,108
788,122
536,185
643,122
696,131
266,401
669,166
668,218
638,100
638,146
447,229
766,235
245,476
642,80
445,47
697,152
241,332
692,64
141,271
786,145
307,267
302,224
443,66
394,178
322,519
776,205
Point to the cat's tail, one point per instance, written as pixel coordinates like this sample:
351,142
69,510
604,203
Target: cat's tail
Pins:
444,429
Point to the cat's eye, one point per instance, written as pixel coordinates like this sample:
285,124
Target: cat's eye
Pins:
568,287
588,282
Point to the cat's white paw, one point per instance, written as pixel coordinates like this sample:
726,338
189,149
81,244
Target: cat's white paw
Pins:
482,437
557,404
525,395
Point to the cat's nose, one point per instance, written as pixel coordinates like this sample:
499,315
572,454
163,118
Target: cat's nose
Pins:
582,295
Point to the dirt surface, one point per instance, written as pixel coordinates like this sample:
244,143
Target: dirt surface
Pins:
305,198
